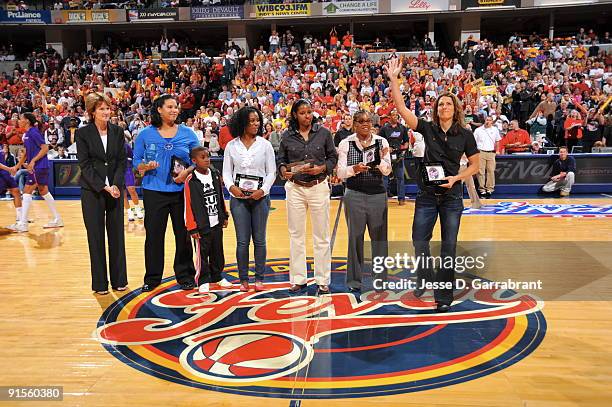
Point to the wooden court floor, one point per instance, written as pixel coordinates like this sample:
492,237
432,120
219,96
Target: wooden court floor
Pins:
48,315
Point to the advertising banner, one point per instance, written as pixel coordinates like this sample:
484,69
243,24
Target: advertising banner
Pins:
209,12
489,3
418,6
159,14
335,8
282,10
25,17
86,16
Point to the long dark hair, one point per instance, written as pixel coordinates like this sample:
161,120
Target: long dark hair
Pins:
293,122
156,120
240,120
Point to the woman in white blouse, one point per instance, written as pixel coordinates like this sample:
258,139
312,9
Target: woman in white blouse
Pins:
249,171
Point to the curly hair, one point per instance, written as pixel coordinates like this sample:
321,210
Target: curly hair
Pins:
240,121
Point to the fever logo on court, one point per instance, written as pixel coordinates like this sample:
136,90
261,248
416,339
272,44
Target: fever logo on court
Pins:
334,346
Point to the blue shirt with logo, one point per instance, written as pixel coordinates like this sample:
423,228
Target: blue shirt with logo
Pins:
151,146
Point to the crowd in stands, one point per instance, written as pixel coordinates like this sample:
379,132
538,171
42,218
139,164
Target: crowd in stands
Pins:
543,86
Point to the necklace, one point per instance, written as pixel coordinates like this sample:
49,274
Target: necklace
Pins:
365,142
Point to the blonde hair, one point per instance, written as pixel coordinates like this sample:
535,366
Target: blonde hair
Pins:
93,100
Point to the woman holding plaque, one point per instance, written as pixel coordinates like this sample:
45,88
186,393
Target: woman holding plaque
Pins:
161,152
363,161
249,171
440,190
306,157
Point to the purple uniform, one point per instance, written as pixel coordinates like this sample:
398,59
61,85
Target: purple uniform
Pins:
6,180
130,181
32,140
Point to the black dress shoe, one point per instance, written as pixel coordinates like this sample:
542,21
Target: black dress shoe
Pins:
149,287
296,288
188,286
418,293
443,308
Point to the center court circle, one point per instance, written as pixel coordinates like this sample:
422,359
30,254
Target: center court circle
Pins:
272,344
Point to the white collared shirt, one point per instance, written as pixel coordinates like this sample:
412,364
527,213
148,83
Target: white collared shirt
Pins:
258,160
346,171
487,137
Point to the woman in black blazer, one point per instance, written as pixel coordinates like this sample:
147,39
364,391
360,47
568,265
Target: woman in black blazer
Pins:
102,159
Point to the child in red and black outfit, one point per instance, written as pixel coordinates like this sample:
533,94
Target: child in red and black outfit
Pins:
205,218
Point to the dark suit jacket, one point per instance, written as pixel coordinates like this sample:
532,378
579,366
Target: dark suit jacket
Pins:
94,163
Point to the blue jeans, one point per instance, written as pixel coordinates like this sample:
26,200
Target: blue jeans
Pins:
250,220
398,173
427,208
21,177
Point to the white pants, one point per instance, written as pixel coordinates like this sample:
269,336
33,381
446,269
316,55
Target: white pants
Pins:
564,185
299,201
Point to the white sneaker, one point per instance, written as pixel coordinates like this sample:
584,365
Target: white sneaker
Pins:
18,227
139,212
57,223
130,212
224,283
204,288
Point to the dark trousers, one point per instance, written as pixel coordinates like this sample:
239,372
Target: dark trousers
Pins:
158,205
398,174
362,210
102,212
427,208
211,257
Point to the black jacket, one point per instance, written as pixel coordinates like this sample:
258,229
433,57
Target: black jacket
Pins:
94,163
196,216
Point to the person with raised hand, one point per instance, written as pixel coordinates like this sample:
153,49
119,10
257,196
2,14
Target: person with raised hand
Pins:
446,140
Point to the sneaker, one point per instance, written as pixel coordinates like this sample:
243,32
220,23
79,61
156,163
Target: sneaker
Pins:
259,286
244,286
57,223
204,288
18,227
223,283
564,193
130,213
139,212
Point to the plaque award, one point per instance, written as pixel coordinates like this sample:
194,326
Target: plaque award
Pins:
433,173
248,183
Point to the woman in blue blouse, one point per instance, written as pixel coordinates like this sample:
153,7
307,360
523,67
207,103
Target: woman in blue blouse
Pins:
157,151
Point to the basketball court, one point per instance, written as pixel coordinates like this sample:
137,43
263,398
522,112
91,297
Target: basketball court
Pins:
170,347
